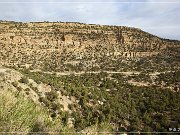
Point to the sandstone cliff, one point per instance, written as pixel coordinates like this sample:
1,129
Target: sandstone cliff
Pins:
59,45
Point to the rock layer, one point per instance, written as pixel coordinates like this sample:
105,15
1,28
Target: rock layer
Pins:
56,43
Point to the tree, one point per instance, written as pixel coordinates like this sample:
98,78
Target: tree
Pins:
65,118
24,80
147,118
52,95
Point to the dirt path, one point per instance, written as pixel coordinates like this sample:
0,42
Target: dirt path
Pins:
138,83
92,72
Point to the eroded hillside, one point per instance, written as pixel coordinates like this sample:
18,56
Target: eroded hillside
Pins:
75,46
90,78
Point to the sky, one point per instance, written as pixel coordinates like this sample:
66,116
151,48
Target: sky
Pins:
158,17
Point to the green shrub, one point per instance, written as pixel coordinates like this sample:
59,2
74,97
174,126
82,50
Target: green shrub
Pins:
52,95
65,118
27,92
27,89
24,80
46,102
71,106
35,89
19,88
135,104
56,106
21,115
15,84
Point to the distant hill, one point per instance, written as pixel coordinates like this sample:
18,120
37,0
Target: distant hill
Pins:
62,46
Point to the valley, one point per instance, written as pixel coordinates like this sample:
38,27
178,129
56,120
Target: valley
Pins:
87,79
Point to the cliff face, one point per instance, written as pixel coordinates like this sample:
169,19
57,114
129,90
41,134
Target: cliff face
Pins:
58,44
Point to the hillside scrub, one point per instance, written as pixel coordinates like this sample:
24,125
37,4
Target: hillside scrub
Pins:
114,101
18,114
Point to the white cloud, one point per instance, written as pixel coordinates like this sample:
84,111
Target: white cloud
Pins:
160,18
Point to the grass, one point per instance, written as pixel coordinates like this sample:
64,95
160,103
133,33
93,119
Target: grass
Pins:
18,114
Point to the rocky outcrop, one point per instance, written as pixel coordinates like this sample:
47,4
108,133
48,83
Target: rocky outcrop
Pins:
55,43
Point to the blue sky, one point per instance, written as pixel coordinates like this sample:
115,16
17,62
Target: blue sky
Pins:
159,17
